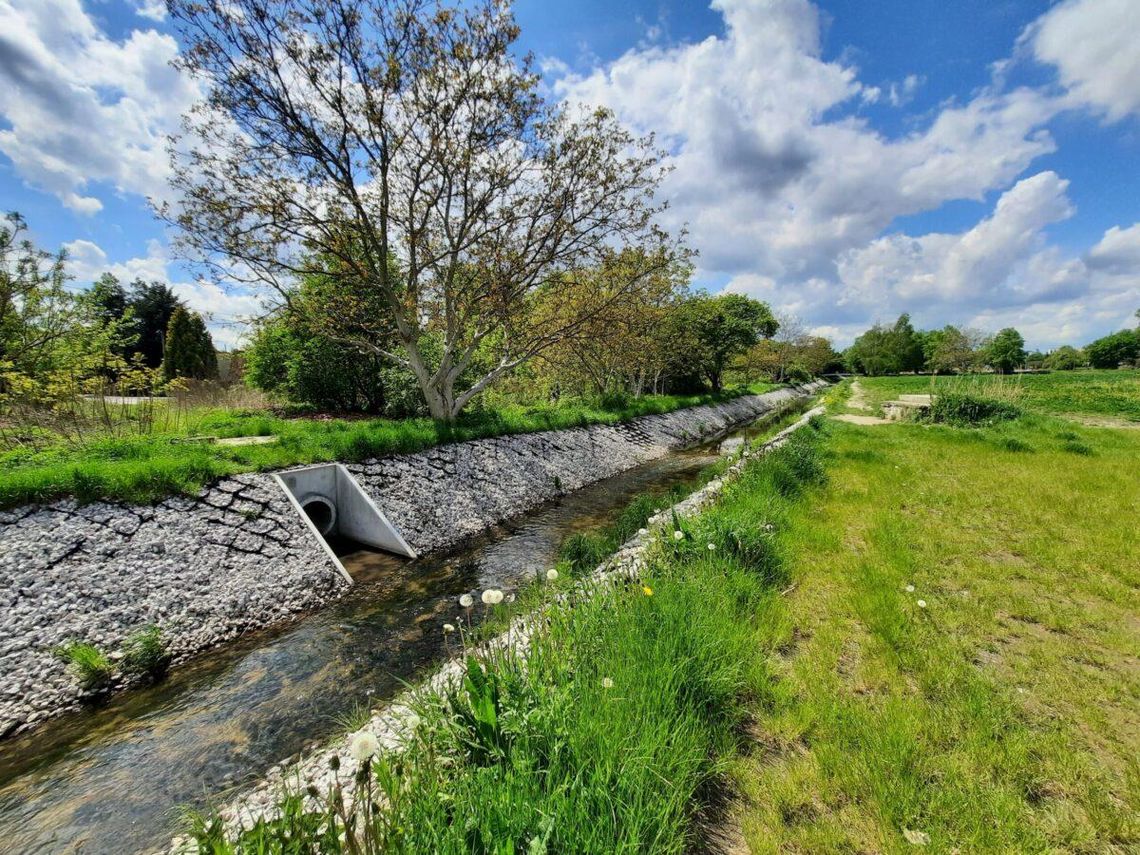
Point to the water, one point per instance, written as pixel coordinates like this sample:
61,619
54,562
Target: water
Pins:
112,780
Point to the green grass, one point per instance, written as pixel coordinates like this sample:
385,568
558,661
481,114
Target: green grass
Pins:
149,468
90,665
1090,393
622,720
1002,717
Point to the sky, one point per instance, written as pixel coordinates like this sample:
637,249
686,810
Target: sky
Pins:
974,162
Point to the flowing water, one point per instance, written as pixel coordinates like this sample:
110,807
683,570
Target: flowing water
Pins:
112,780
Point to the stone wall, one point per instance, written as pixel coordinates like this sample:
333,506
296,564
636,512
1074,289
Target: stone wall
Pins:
237,557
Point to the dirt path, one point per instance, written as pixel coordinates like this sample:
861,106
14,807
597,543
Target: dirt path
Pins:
858,399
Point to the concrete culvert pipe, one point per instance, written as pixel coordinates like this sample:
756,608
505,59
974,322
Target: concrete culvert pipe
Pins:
321,511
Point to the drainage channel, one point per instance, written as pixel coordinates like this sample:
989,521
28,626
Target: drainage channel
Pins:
112,780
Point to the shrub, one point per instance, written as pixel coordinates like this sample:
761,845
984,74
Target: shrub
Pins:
145,654
962,409
89,664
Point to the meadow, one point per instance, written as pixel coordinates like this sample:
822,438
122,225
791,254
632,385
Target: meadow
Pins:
181,454
1090,394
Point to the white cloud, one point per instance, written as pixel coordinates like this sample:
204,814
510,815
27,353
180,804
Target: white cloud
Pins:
786,189
226,310
153,9
1093,44
84,109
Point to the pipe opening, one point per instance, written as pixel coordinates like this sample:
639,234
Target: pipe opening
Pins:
321,512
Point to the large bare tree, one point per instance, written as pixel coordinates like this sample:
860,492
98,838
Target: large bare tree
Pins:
402,148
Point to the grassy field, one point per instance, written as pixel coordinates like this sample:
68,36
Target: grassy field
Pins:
145,468
1089,393
1002,712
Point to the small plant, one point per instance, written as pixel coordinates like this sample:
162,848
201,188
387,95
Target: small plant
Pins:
557,483
90,664
1012,443
145,654
583,552
1075,446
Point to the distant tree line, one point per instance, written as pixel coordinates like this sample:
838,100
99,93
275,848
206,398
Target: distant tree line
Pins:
899,348
57,341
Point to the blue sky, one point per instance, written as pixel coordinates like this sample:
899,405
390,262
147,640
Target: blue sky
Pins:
970,162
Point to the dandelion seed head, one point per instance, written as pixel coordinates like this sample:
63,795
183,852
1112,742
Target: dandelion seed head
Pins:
492,597
607,683
467,601
551,575
364,746
712,546
678,535
910,589
922,604
447,627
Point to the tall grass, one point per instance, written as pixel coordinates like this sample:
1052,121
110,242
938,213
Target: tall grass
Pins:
144,468
609,736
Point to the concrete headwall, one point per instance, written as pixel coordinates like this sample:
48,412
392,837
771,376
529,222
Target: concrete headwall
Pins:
238,557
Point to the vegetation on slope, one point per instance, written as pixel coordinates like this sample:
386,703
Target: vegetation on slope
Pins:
147,468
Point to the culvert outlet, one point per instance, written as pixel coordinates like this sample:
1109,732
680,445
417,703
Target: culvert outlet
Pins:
332,503
321,512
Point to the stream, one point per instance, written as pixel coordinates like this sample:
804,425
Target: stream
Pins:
113,780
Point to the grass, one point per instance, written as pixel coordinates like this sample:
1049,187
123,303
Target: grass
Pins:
148,468
628,708
1088,393
1002,717
91,666
145,654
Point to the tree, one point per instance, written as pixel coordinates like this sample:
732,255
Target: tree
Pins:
1007,351
189,348
153,305
1065,358
405,134
723,328
36,311
1113,350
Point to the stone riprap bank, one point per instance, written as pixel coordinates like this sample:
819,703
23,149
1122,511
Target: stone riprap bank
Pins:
238,557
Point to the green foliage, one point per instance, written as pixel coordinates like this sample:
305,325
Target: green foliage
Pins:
712,331
1007,351
1121,347
145,654
189,348
153,305
153,466
964,409
90,665
887,350
1065,358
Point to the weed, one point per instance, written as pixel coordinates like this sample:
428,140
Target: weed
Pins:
964,410
1075,446
1013,443
89,664
145,654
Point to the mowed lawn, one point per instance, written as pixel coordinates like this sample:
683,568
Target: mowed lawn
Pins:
1004,716
1114,396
